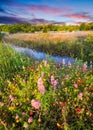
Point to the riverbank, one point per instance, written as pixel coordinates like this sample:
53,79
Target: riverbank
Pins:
71,44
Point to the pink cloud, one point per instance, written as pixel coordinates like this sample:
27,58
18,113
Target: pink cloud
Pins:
47,9
40,8
78,16
82,15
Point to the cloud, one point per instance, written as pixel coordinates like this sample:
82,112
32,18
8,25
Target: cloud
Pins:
5,1
38,8
47,9
2,10
12,20
82,15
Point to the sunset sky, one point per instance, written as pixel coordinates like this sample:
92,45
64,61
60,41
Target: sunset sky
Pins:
68,11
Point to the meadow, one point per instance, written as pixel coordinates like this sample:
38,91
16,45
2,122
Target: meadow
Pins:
43,95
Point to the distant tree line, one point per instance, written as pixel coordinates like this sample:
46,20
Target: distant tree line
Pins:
28,28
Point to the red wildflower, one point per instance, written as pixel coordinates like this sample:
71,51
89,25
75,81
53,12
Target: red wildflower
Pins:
31,113
28,68
78,110
63,104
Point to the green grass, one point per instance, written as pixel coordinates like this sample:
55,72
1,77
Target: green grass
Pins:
11,63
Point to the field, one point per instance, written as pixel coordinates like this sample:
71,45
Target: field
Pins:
50,36
43,95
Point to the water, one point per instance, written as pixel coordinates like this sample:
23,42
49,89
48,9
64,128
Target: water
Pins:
41,55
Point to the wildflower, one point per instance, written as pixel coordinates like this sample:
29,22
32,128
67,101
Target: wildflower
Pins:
84,67
40,81
0,92
91,88
59,125
58,66
30,120
39,120
11,97
1,104
45,63
17,120
78,110
17,116
55,84
28,68
23,113
67,76
91,64
63,104
75,85
41,86
35,103
80,95
52,79
11,108
63,62
31,113
25,125
69,63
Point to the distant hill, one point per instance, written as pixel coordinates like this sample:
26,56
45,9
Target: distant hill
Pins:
14,20
43,21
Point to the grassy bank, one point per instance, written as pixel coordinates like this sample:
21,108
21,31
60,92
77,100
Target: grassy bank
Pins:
44,96
76,44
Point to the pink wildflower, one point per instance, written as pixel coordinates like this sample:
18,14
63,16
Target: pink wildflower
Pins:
75,85
63,62
55,84
30,120
11,97
41,86
23,114
41,89
69,63
80,95
35,103
84,67
67,76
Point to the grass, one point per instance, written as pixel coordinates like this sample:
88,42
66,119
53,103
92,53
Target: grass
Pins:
43,95
11,63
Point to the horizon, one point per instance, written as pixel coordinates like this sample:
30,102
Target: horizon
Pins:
42,11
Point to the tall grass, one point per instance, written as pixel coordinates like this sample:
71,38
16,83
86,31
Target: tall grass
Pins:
11,63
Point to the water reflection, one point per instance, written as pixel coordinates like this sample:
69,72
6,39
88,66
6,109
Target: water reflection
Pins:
40,55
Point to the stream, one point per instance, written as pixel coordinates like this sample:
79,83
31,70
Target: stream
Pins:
41,55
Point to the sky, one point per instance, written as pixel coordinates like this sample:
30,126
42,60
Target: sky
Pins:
65,11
